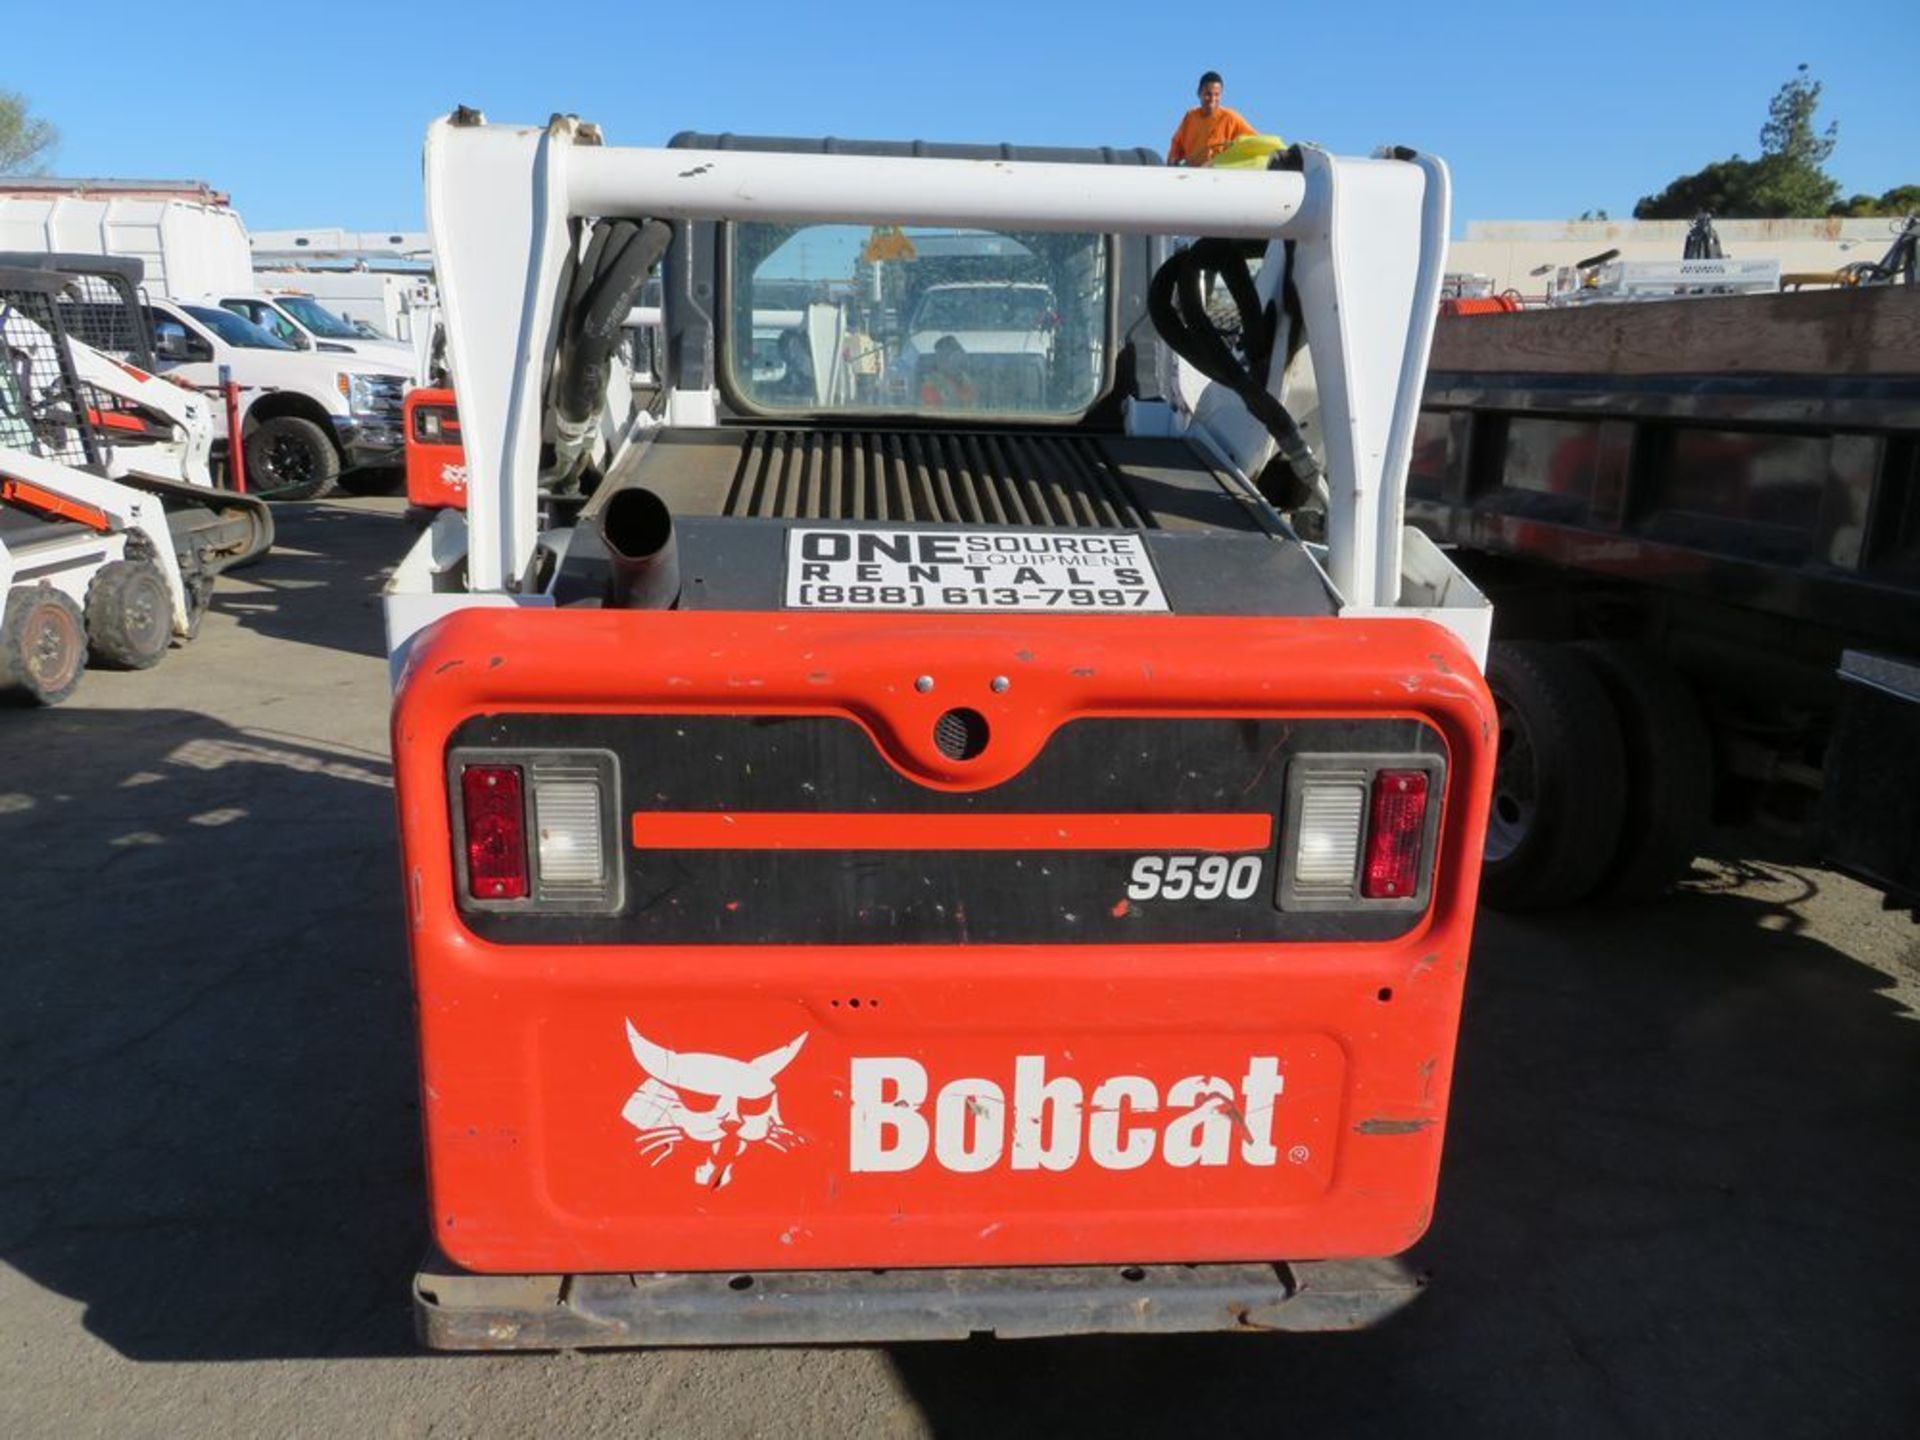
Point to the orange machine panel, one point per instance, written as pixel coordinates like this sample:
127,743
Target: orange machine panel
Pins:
436,460
873,992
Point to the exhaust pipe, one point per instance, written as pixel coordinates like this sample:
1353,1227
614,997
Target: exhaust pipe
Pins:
637,529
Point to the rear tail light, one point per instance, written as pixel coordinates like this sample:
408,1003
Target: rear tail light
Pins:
1396,823
496,832
1359,832
537,829
436,425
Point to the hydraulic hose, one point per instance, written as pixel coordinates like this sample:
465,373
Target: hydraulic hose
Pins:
1179,312
620,254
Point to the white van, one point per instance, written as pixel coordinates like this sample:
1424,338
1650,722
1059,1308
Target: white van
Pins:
306,416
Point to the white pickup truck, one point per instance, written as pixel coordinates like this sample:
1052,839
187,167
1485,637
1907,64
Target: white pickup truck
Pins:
305,324
307,417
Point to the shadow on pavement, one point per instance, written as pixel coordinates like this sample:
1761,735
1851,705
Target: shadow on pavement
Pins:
1679,1198
210,1124
321,583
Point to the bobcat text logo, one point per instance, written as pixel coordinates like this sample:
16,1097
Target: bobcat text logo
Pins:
713,1104
1125,1122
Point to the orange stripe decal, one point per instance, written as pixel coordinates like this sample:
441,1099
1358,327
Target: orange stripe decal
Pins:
810,830
24,492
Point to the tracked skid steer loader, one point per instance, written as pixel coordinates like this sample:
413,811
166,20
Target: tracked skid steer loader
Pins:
962,814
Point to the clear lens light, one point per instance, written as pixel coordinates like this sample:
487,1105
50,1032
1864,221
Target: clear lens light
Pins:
567,816
1329,836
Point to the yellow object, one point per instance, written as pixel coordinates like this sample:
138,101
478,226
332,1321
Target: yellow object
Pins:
1249,152
1794,279
1200,136
887,243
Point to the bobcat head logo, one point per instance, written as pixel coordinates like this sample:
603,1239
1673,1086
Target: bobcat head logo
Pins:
709,1103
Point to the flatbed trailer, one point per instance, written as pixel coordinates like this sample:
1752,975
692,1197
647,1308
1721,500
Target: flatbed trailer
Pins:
1711,507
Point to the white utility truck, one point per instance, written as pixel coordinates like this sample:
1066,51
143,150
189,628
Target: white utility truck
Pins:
185,234
304,323
883,871
392,305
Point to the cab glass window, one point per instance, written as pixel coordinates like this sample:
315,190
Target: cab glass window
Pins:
317,318
266,317
236,329
947,323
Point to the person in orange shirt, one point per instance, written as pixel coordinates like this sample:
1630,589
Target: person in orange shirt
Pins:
1208,128
946,384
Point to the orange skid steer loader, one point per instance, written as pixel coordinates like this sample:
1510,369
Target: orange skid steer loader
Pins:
884,871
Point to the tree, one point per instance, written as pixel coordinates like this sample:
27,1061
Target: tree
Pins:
1786,181
1901,200
1789,131
23,138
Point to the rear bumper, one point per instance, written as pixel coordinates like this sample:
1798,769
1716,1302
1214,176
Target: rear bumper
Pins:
456,1310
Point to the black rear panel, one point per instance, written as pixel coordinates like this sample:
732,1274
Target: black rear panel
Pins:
826,766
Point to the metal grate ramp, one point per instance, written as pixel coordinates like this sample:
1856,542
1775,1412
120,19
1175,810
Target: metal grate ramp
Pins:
932,477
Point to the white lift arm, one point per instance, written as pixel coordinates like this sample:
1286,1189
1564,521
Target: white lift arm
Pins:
1370,236
190,412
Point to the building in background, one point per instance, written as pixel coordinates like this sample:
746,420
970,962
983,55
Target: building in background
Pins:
1523,255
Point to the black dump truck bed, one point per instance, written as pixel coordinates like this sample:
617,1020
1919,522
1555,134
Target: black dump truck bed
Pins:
1758,452
1730,486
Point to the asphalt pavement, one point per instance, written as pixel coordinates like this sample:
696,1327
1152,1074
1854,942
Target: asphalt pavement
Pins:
1678,1199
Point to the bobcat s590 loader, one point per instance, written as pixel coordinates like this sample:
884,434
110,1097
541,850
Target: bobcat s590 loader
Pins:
904,839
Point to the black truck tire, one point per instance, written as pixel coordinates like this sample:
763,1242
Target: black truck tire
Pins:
129,615
1559,790
291,458
1669,770
43,646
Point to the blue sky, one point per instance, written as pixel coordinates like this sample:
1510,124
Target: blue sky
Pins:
1543,112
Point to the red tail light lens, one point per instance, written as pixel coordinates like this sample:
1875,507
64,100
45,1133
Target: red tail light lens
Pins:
1397,821
496,832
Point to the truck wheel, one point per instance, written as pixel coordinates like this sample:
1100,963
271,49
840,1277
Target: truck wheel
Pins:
1559,787
43,646
129,615
291,458
1669,770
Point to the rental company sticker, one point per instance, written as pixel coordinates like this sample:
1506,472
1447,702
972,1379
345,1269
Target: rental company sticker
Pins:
970,570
